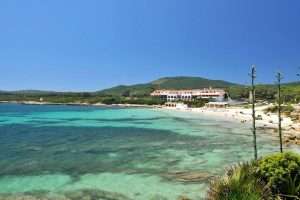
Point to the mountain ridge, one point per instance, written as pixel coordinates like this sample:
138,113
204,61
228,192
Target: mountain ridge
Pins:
177,82
169,82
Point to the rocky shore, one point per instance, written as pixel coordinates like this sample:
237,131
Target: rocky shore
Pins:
292,136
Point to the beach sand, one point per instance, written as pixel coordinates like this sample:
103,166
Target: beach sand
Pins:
267,121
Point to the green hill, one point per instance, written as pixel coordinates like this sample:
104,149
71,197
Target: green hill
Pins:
181,82
184,82
133,90
290,91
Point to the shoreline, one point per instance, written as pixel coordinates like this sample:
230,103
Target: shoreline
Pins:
239,114
81,104
243,115
268,121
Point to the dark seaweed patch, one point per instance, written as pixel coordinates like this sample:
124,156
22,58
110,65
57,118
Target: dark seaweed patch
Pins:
27,150
91,194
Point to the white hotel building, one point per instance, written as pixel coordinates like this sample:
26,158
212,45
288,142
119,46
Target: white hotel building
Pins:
188,95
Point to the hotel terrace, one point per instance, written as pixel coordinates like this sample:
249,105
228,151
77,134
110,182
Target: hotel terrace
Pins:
188,95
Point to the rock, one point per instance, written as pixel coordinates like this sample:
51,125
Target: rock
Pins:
286,140
297,142
297,136
292,137
183,198
158,197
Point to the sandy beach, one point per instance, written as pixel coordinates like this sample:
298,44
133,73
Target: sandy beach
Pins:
268,121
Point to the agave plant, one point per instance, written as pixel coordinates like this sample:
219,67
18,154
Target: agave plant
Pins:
292,188
239,183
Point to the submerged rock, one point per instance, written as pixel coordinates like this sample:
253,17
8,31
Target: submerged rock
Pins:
183,198
291,136
158,197
189,176
95,195
31,197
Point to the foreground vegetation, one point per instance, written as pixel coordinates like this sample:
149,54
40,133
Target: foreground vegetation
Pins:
275,177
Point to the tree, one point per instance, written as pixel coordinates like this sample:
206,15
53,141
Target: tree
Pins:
126,93
253,76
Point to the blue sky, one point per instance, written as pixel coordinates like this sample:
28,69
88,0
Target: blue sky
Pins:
95,44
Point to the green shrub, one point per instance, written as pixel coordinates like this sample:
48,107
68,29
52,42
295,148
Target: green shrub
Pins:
281,172
285,109
132,100
239,183
111,100
276,176
196,103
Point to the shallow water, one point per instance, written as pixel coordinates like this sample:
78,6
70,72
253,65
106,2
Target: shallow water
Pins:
115,153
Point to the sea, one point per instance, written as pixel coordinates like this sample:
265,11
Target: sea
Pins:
115,153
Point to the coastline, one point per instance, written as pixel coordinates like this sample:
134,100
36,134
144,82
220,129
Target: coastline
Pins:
242,115
82,104
267,121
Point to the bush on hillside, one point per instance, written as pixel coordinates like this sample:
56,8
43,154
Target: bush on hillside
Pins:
131,100
111,100
285,109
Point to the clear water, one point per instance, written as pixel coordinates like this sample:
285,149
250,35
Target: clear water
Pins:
69,152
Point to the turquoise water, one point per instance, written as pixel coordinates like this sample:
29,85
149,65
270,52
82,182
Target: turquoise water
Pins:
70,152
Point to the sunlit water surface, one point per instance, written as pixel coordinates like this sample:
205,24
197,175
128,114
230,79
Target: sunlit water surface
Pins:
69,152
